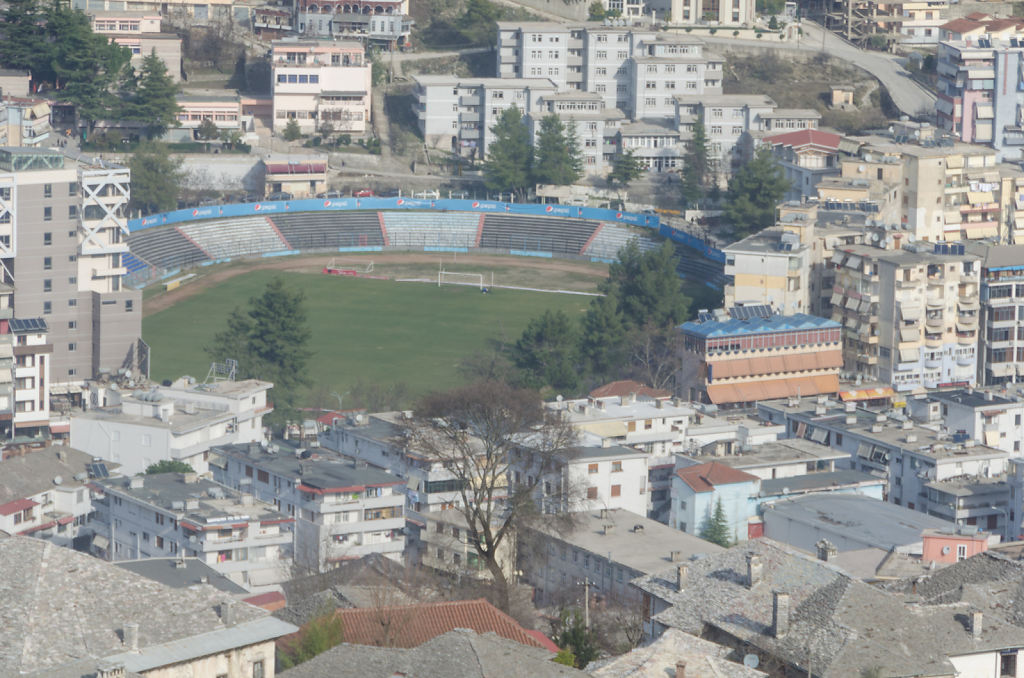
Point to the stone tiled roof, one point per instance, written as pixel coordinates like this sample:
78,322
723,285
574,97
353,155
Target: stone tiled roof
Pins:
703,659
413,625
459,653
61,607
837,623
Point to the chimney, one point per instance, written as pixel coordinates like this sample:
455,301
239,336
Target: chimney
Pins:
675,556
608,528
130,637
976,624
660,403
680,669
681,572
754,570
780,614
227,612
988,395
604,514
826,550
136,483
110,670
62,456
851,419
180,563
911,437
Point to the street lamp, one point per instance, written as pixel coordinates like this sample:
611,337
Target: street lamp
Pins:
1006,519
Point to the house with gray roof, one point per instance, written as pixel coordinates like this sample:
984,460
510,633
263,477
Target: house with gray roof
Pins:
69,615
808,617
460,652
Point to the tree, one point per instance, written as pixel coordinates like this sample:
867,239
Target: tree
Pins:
24,46
572,141
169,466
270,339
291,130
625,168
156,178
555,161
509,155
547,352
317,636
596,11
208,130
754,191
154,102
648,289
478,25
654,356
716,527
603,336
695,164
474,432
574,635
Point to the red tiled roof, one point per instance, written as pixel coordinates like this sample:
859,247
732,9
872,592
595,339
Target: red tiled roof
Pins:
704,477
272,601
413,625
805,137
960,26
626,387
978,16
12,507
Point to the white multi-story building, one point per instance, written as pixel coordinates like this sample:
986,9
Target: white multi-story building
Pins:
984,416
170,514
769,267
1001,328
319,82
31,376
45,492
181,422
594,125
666,66
342,510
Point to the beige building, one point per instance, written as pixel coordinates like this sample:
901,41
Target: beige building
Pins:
445,546
735,13
140,33
319,83
910,316
770,267
223,109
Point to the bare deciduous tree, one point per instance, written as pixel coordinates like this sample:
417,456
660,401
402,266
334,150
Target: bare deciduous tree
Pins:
475,432
654,355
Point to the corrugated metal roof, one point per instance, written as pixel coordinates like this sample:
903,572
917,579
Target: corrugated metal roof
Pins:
776,323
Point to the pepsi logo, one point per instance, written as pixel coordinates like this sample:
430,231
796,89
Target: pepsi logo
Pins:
402,202
195,212
258,206
549,208
618,215
327,203
476,204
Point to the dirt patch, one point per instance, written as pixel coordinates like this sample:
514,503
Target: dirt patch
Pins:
553,274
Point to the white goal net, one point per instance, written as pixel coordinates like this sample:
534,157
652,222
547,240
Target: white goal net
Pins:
455,278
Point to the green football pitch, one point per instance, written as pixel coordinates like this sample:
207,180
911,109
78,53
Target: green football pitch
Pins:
371,330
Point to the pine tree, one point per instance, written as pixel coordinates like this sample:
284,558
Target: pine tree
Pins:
625,168
553,161
156,178
572,142
24,46
509,155
603,336
154,102
292,132
270,339
716,527
754,191
695,164
647,287
547,352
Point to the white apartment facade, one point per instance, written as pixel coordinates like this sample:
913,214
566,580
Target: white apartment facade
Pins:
181,422
984,416
32,352
172,514
342,510
320,82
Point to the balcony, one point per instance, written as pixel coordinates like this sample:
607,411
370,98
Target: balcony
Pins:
935,322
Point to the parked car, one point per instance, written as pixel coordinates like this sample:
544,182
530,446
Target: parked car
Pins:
390,193
363,193
279,195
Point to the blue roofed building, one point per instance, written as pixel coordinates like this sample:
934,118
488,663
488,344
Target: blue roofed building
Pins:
748,353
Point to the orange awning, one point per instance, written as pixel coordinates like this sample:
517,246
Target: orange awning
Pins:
771,389
867,393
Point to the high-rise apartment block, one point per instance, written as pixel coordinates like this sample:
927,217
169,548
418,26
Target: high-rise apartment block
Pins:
1001,355
62,241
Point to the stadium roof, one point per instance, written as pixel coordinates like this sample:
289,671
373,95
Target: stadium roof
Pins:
776,323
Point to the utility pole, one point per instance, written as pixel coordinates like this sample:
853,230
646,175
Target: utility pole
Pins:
586,603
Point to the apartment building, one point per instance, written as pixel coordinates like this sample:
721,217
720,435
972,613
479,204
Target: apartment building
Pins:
770,267
594,125
180,422
223,110
197,12
170,514
445,545
751,353
45,493
342,509
806,156
319,82
724,14
24,121
385,22
139,32
62,229
1001,326
32,352
457,114
698,491
655,425
666,66
989,418
910,316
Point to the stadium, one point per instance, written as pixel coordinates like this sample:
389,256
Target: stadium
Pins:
349,233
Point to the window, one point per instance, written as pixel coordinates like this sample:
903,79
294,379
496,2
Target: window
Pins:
72,211
248,472
257,669
591,493
616,490
47,190
47,263
47,285
72,347
47,237
47,214
961,552
591,468
263,477
47,308
616,467
72,302
73,280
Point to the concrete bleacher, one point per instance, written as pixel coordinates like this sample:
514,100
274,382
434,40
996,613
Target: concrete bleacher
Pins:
536,234
328,230
165,247
132,263
431,229
612,237
237,237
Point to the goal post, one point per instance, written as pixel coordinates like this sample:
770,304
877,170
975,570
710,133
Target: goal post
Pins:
456,278
348,267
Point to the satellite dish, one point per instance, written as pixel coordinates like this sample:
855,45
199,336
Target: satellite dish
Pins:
57,480
558,398
945,550
751,661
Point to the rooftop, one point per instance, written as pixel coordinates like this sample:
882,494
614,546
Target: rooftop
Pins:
705,477
37,470
857,518
817,481
999,257
66,609
703,659
775,323
838,625
181,573
980,399
769,241
459,652
319,474
806,137
193,499
648,549
775,452
627,387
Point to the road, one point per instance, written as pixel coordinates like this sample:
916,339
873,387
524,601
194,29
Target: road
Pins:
908,95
